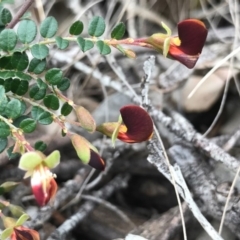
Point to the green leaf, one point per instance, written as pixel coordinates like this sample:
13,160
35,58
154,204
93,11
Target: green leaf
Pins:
41,84
18,120
8,84
3,143
8,186
13,109
30,160
11,154
96,27
51,101
4,130
40,146
84,44
76,28
103,48
118,31
53,159
37,66
27,31
6,62
54,76
66,109
28,125
48,27
19,87
64,84
37,93
39,51
19,61
23,107
22,76
5,16
8,39
41,116
62,43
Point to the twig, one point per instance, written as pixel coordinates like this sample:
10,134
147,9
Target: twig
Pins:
117,183
191,136
148,67
20,13
110,206
155,157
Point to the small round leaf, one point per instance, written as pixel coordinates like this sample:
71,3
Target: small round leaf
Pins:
51,101
27,31
62,43
19,87
103,48
13,109
64,84
37,66
40,146
4,130
84,44
66,109
76,28
37,93
118,31
19,61
28,125
3,143
8,39
96,27
5,16
54,76
39,51
48,27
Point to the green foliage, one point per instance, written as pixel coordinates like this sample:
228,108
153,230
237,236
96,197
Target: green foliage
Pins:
5,16
27,31
66,109
54,76
51,101
40,146
39,51
96,27
8,40
118,31
31,92
84,44
103,48
61,43
48,27
76,28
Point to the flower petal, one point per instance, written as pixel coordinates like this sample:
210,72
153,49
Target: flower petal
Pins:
192,34
138,122
187,60
96,161
44,187
23,233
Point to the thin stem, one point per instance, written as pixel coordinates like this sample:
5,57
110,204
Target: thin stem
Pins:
20,13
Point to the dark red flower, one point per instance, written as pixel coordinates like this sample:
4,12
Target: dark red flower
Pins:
137,125
44,186
187,46
23,233
192,34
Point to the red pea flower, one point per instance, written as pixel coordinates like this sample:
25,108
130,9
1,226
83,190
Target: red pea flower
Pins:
23,233
44,186
137,125
187,46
